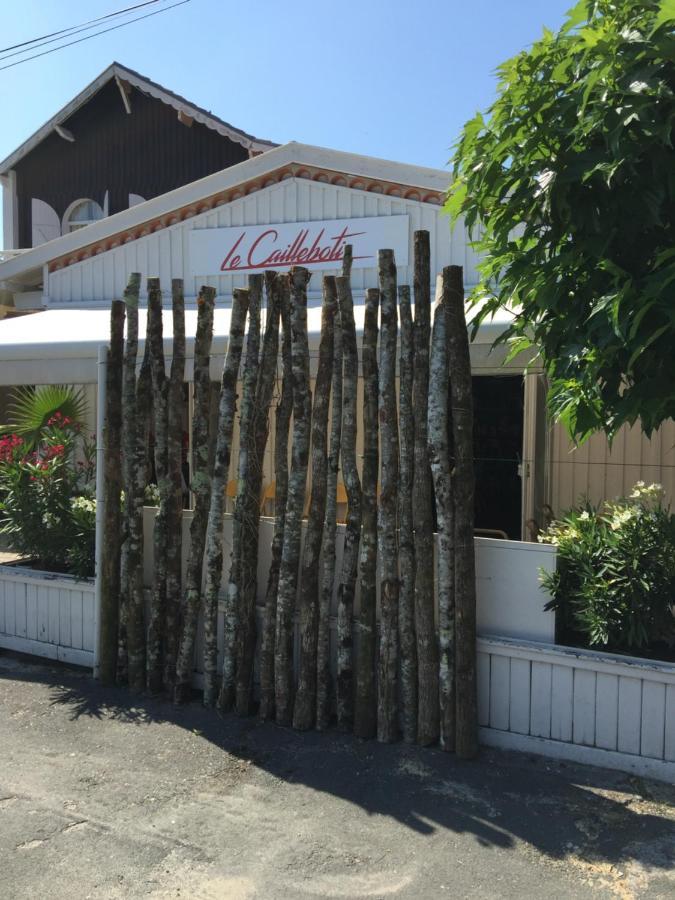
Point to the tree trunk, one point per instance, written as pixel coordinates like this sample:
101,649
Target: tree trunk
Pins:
406,600
241,528
281,430
305,701
110,557
221,468
344,686
327,577
365,713
290,556
427,644
249,558
441,468
159,396
387,728
466,735
201,489
137,423
174,543
128,448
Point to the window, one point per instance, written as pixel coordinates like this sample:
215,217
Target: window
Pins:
80,214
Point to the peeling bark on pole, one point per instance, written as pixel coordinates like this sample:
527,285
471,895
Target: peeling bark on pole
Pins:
305,701
221,468
201,489
259,432
365,712
344,684
290,556
138,390
425,629
241,528
281,433
406,550
174,536
110,558
327,577
156,622
441,468
387,727
466,722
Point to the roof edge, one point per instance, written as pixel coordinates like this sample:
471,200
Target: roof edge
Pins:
153,89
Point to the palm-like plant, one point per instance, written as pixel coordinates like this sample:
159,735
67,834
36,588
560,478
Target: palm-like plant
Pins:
31,409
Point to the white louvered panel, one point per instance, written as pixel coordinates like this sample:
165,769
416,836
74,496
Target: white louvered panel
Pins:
166,252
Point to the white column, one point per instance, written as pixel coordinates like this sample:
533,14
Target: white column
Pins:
10,225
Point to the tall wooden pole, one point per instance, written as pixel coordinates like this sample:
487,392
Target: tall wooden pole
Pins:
259,432
241,529
110,567
281,432
200,485
159,395
133,644
466,739
297,483
344,685
221,468
174,531
387,544
441,468
365,710
406,605
327,578
427,644
305,701
136,433
127,441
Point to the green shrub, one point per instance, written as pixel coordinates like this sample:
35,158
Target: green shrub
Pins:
46,505
615,580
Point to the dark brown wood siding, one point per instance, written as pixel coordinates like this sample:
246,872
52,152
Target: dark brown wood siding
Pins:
148,152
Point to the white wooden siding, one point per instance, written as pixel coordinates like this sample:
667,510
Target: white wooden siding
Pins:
166,252
47,615
576,704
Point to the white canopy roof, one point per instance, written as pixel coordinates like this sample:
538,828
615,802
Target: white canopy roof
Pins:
61,346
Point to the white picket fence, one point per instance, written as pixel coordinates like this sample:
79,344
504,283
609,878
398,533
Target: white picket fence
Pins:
47,615
580,705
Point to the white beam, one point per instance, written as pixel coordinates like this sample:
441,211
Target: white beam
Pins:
124,91
64,133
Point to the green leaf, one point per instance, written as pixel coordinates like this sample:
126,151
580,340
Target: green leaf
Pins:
31,408
665,14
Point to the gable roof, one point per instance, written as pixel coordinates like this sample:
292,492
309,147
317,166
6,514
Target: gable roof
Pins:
292,160
125,77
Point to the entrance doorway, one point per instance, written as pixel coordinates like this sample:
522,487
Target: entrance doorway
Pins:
498,445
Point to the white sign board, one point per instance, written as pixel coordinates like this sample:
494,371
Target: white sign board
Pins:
315,245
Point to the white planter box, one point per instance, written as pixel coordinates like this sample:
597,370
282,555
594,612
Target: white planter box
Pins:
581,705
47,614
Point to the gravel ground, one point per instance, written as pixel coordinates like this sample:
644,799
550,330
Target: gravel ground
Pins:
107,796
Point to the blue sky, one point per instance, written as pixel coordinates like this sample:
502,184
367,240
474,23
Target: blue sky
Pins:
392,79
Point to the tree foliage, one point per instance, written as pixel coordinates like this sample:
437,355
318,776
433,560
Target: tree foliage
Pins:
569,184
615,578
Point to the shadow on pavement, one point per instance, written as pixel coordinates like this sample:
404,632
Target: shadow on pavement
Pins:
503,799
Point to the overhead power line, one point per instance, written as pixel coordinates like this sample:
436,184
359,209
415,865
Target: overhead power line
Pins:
88,37
74,28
